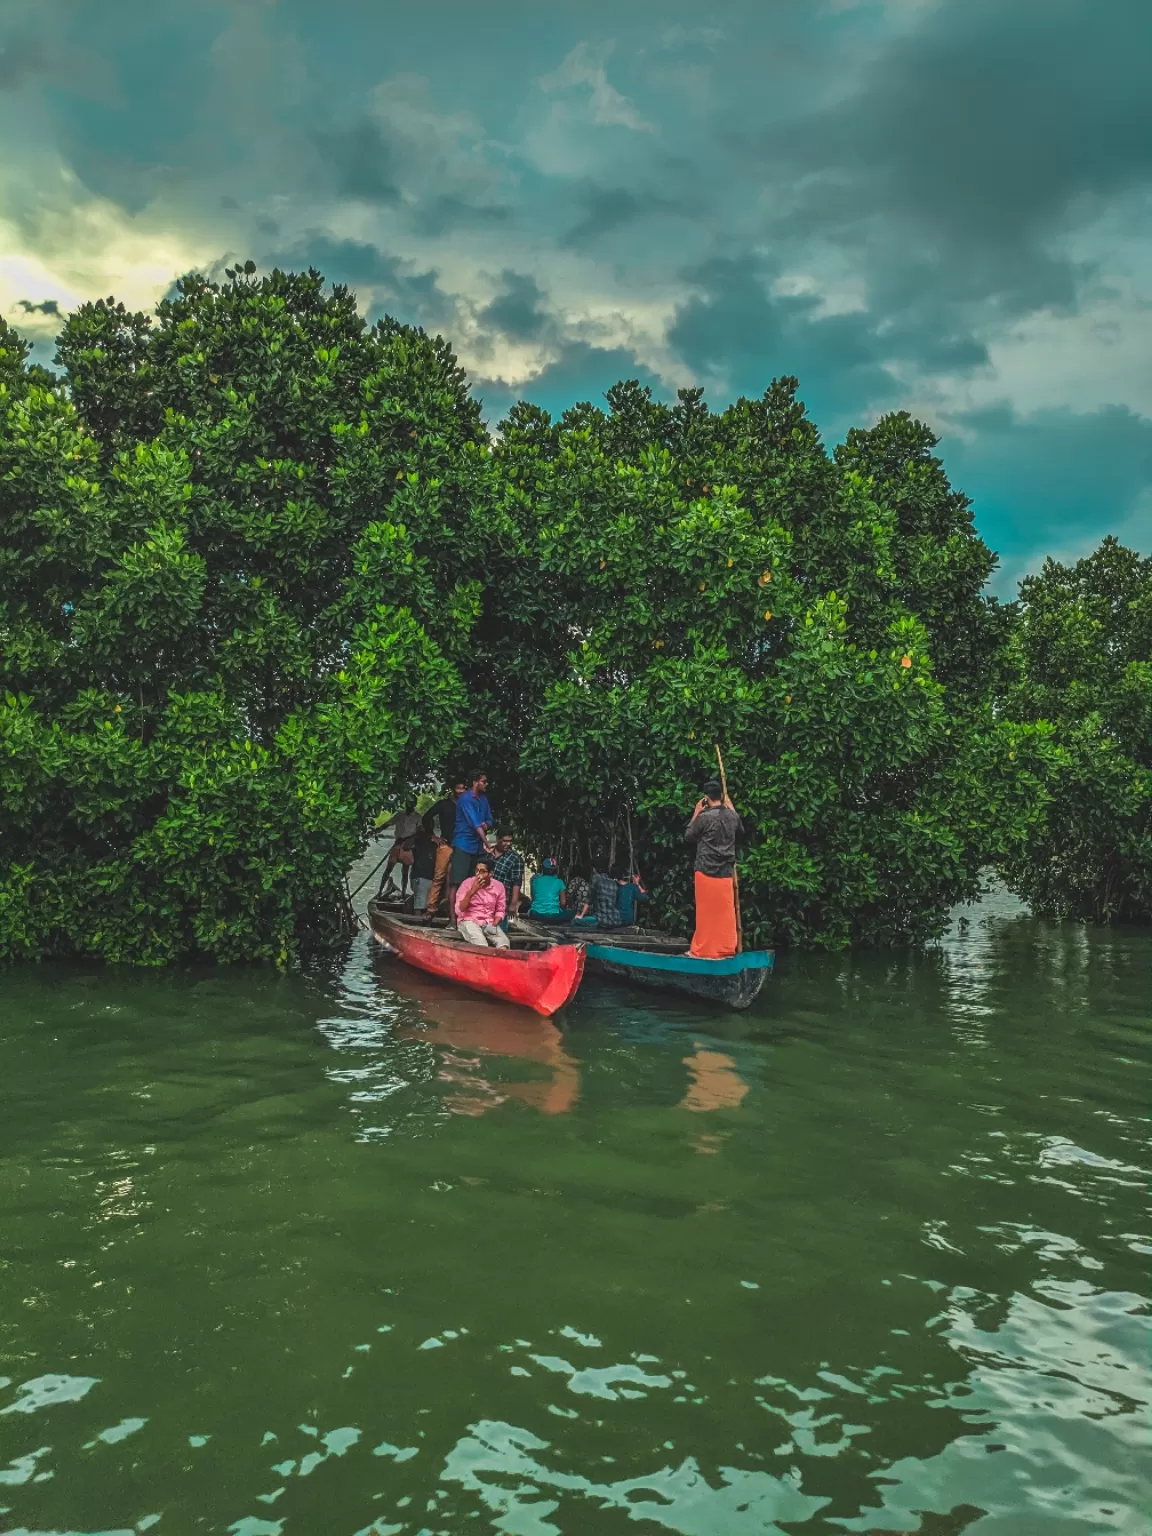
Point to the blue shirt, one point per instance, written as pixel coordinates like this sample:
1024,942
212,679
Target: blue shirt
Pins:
546,895
472,811
627,898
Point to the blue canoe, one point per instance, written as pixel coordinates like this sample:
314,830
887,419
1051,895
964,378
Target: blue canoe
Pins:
649,960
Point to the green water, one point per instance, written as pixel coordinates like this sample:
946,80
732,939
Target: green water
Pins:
355,1252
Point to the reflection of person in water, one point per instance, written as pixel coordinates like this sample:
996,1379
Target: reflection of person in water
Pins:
716,1084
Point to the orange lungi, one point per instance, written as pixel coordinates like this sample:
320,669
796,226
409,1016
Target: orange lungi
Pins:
439,877
715,936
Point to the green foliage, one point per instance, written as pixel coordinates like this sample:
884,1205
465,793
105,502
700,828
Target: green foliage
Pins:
262,572
238,551
704,578
1082,654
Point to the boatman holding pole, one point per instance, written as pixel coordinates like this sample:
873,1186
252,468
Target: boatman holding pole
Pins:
713,831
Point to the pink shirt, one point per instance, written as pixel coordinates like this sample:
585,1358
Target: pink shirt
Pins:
487,906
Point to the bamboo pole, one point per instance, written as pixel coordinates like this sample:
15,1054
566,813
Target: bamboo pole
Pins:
735,872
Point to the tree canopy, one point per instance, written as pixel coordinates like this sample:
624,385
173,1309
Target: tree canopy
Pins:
238,553
1081,657
262,567
718,578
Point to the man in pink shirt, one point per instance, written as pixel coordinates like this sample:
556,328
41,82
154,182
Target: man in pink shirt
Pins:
480,907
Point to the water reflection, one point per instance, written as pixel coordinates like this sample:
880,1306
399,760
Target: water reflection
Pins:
429,1049
286,1255
716,1084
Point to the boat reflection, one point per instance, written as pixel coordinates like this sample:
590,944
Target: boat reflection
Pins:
471,1033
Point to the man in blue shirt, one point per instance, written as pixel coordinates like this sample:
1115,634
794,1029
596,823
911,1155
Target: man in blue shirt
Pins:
473,819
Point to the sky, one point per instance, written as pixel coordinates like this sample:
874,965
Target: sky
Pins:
943,206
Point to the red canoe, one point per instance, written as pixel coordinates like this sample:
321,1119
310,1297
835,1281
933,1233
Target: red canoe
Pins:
540,974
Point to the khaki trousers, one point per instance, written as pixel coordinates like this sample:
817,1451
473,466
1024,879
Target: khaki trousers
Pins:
484,933
439,877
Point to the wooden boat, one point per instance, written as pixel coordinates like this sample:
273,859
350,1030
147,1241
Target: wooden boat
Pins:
538,971
651,960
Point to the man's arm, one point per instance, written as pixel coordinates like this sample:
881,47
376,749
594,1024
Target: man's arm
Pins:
464,899
501,903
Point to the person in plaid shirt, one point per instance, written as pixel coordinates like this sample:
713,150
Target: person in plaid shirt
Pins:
509,870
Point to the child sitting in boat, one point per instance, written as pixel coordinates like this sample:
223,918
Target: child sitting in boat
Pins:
480,907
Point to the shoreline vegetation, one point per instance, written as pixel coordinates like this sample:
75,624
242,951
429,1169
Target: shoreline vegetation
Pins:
263,570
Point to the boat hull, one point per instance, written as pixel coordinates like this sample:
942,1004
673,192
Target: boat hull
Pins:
731,983
543,979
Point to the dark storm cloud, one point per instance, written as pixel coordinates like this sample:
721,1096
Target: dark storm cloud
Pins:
448,212
608,209
734,329
358,162
974,139
45,307
411,296
520,310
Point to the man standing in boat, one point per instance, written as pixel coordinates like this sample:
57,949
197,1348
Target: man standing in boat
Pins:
440,824
713,831
469,840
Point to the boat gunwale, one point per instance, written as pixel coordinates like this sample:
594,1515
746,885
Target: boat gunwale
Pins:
682,964
452,941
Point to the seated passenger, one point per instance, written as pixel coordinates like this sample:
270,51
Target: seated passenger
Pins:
630,893
481,905
549,894
600,908
579,901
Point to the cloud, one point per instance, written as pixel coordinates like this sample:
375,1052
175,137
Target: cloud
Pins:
586,65
609,209
448,212
357,162
970,143
519,310
45,307
1055,480
383,282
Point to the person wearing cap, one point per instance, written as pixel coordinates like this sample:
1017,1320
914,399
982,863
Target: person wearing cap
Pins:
713,831
549,895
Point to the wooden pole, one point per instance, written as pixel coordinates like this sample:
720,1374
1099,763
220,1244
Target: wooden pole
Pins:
735,872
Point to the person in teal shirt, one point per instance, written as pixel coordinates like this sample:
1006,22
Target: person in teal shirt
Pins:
548,891
630,893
